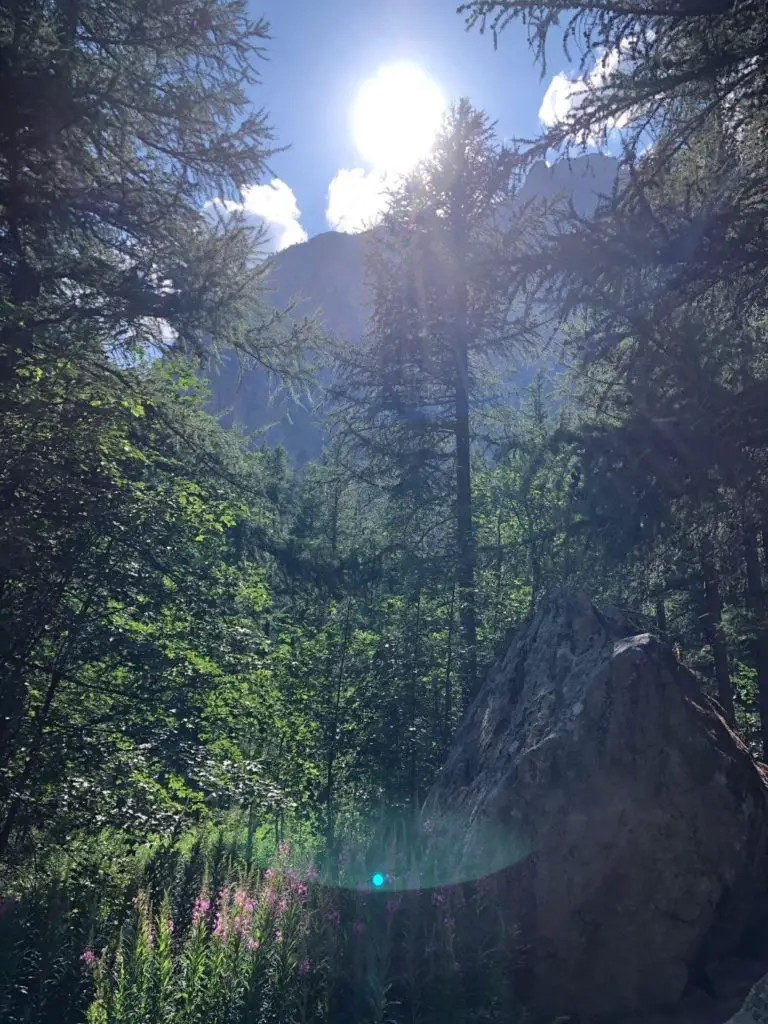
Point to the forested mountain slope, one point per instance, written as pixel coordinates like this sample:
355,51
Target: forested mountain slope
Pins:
326,277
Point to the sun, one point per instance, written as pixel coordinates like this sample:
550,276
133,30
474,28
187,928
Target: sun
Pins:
396,117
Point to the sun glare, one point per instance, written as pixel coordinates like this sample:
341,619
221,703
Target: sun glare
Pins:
396,117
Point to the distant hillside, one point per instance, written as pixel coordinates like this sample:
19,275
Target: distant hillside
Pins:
321,277
584,178
325,276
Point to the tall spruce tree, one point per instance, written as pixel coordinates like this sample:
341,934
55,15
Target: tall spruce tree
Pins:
442,306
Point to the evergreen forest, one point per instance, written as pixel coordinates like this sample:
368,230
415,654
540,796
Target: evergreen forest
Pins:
229,679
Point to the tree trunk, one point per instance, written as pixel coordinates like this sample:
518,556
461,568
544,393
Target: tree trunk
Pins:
661,620
250,833
330,827
499,574
757,607
713,632
448,666
465,575
764,536
533,557
412,700
20,786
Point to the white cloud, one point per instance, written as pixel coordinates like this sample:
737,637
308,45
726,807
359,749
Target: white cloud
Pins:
273,205
356,199
565,95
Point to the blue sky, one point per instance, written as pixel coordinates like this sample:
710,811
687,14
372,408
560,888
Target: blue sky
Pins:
323,50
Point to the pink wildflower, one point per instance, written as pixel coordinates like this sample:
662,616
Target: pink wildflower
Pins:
88,957
438,898
201,908
169,925
244,907
253,945
332,917
278,936
269,873
303,968
243,901
221,928
393,905
359,927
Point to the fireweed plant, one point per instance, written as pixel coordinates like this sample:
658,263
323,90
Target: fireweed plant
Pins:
280,945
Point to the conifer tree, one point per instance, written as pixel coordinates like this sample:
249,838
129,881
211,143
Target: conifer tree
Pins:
442,307
124,128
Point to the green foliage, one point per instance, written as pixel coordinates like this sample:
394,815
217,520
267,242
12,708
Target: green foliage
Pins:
662,299
134,660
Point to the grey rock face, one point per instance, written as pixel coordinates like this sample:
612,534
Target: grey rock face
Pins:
755,1007
630,822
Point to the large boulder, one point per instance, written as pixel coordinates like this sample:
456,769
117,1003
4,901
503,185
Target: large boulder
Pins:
754,1010
631,822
